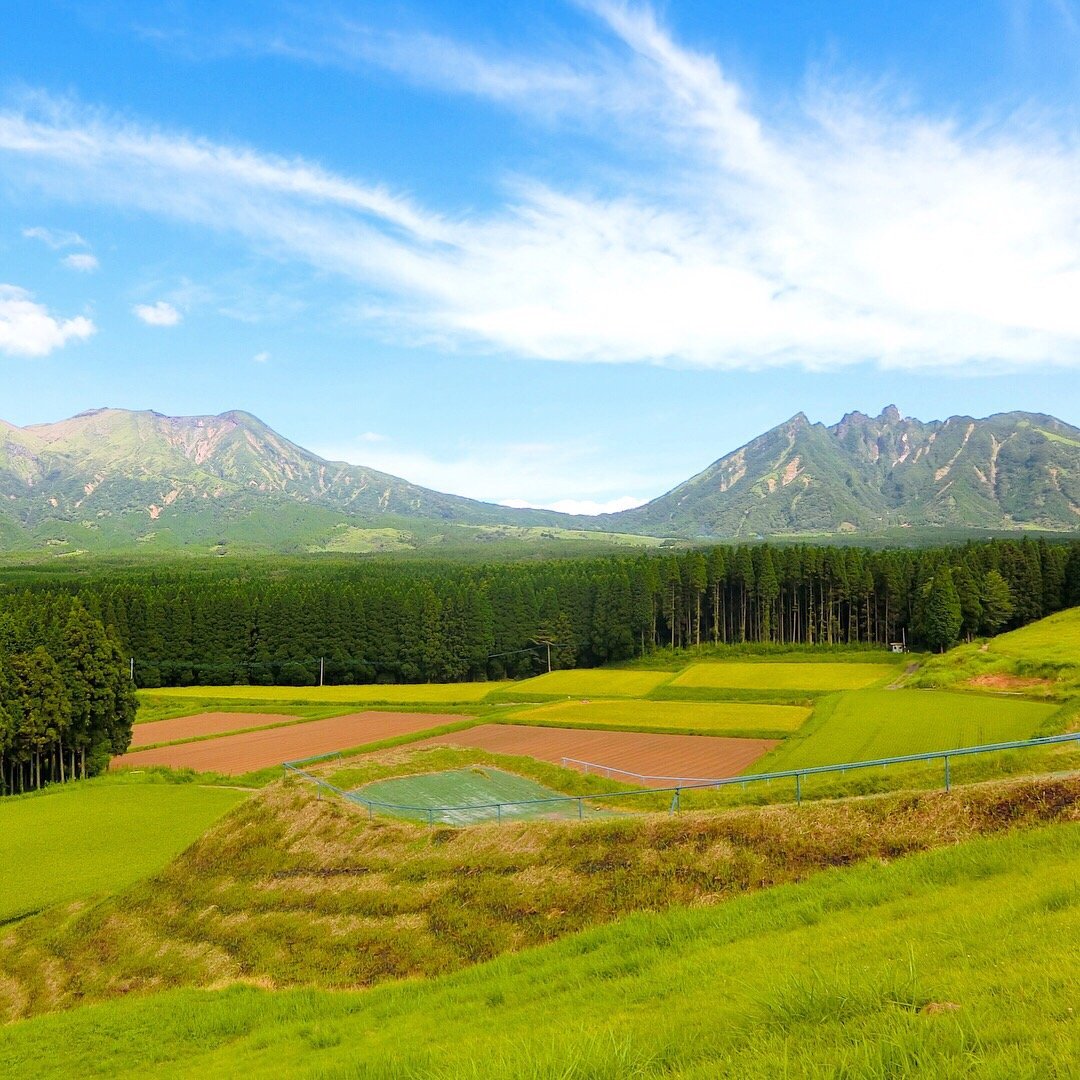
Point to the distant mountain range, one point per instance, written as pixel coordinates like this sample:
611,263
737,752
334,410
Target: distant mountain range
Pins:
111,479
867,474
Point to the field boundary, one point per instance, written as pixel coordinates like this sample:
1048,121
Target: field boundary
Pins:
295,768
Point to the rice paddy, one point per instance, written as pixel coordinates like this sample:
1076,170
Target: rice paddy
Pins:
735,675
676,717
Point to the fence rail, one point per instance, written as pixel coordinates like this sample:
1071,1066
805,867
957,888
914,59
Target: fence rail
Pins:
504,810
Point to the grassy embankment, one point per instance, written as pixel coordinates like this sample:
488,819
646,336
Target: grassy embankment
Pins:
1042,659
957,962
95,837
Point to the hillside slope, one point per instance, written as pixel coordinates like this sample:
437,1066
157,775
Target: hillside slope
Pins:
958,962
111,477
865,474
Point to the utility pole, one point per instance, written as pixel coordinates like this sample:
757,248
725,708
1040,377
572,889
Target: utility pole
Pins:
133,669
321,669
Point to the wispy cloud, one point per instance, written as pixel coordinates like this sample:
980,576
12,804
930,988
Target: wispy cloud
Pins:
57,239
82,261
554,475
261,357
28,328
160,313
852,229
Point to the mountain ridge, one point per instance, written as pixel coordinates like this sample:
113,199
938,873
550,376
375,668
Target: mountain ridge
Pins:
121,477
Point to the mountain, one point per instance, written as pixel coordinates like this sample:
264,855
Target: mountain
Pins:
110,477
870,474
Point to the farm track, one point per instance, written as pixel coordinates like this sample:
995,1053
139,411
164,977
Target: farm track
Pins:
252,750
647,753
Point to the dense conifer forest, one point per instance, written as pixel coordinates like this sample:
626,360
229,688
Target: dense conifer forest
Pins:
67,702
269,623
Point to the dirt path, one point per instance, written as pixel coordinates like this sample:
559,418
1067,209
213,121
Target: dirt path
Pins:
703,756
248,751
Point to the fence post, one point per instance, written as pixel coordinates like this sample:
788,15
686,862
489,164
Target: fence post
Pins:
675,801
431,819
498,813
580,809
798,788
948,777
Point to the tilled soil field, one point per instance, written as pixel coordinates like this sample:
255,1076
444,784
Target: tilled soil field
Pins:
248,751
662,756
202,724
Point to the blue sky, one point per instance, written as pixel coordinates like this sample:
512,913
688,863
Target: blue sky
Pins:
555,254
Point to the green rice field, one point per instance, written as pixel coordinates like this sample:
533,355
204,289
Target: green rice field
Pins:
96,837
734,675
596,682
388,693
866,724
705,718
471,792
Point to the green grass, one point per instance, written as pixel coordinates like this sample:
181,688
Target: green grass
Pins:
698,718
589,682
784,676
862,725
290,891
955,963
477,787
1043,658
95,837
375,693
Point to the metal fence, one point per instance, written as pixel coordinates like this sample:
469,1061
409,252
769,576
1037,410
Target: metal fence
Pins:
575,806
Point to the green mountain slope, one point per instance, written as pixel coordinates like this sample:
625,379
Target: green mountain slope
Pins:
111,478
865,474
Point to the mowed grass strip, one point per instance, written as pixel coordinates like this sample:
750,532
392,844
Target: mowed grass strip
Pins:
390,693
97,836
596,682
734,675
866,724
730,718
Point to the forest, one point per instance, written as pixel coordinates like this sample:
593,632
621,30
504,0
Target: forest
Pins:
268,622
67,702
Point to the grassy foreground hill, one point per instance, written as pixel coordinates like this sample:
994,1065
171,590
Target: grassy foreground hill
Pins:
958,962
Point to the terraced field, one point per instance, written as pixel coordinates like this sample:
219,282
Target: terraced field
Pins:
586,682
97,837
705,718
866,724
644,758
735,675
254,750
371,693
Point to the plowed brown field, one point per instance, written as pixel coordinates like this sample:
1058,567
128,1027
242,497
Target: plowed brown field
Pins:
208,723
236,754
669,756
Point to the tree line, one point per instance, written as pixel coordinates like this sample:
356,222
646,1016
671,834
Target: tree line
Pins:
67,702
386,621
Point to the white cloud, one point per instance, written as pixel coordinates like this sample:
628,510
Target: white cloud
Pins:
261,357
28,329
543,475
57,239
588,507
161,313
82,261
849,230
